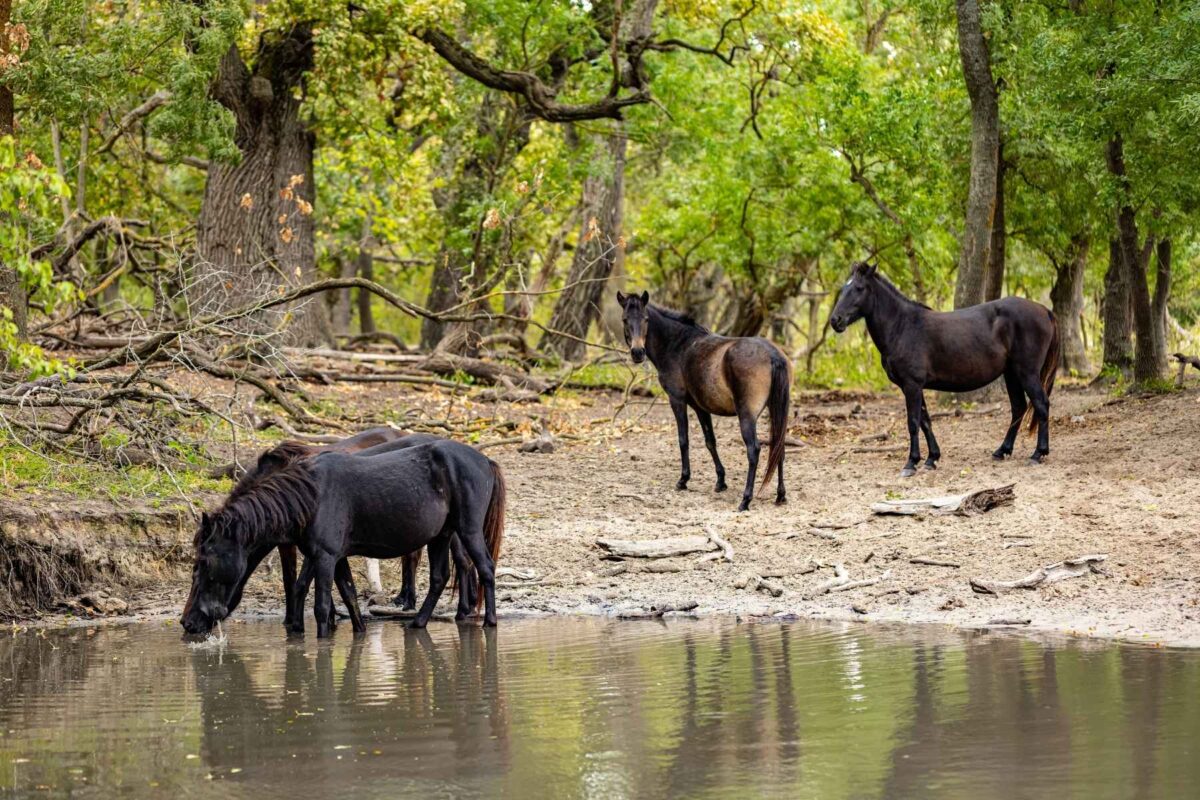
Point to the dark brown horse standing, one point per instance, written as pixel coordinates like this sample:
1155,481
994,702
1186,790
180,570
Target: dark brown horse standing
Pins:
956,351
711,374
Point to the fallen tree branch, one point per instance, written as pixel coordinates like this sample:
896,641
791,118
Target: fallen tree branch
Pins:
657,548
1051,573
966,505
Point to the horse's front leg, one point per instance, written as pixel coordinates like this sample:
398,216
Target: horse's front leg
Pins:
287,567
300,594
685,474
935,452
439,571
914,401
325,567
749,425
710,441
345,584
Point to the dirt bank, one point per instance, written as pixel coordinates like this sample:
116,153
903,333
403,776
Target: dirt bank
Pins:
1121,481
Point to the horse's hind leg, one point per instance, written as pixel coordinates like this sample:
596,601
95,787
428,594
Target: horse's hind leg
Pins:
439,572
935,452
710,441
470,532
345,584
685,471
1041,415
407,598
749,426
468,586
1016,400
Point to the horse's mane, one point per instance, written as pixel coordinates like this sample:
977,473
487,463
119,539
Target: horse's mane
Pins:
283,454
680,317
272,506
894,290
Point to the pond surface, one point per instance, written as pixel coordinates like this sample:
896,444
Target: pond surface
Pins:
565,707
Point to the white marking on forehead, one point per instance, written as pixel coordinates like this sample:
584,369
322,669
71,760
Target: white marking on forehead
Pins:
849,282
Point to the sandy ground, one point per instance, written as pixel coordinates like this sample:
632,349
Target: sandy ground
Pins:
1122,480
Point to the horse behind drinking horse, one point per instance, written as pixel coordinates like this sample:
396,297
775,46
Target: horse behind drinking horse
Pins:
711,374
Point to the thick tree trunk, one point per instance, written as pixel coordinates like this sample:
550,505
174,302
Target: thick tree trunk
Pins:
1162,296
1118,321
597,251
985,143
994,286
12,293
1066,297
255,233
1149,361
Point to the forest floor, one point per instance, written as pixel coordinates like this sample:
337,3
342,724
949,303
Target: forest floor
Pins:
1121,481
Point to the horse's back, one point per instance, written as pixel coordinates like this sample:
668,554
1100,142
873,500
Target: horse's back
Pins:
727,373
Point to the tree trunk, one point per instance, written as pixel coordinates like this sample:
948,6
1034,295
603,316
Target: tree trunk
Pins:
255,233
994,286
340,309
1149,361
365,267
1162,295
1066,297
597,251
1118,322
12,293
985,144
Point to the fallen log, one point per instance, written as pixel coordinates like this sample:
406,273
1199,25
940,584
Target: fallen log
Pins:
1051,573
726,550
966,505
656,612
658,548
933,562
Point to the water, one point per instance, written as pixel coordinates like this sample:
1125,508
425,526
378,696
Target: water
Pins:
594,708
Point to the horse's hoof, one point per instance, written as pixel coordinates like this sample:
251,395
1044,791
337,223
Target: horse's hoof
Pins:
781,500
930,465
681,486
1036,460
908,472
721,487
418,623
744,505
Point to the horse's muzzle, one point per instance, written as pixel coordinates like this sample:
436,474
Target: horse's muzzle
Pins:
638,354
838,324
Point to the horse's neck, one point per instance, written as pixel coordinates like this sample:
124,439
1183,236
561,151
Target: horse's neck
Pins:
890,314
665,338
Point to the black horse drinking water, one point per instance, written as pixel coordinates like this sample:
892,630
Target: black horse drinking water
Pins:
956,351
727,376
335,505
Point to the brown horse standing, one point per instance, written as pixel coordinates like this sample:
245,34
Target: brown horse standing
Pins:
727,376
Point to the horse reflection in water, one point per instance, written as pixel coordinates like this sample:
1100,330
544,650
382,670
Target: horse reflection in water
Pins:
370,709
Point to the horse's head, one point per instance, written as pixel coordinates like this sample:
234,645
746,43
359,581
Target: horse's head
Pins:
635,316
216,573
854,298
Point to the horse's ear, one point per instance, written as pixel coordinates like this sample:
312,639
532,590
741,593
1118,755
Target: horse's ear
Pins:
871,268
645,298
622,298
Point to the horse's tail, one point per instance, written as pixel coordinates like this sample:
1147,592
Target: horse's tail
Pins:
493,520
778,399
1049,369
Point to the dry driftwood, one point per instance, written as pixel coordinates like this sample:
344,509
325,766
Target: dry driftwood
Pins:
1051,573
726,550
757,583
841,582
658,548
656,612
520,573
966,505
998,621
933,562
